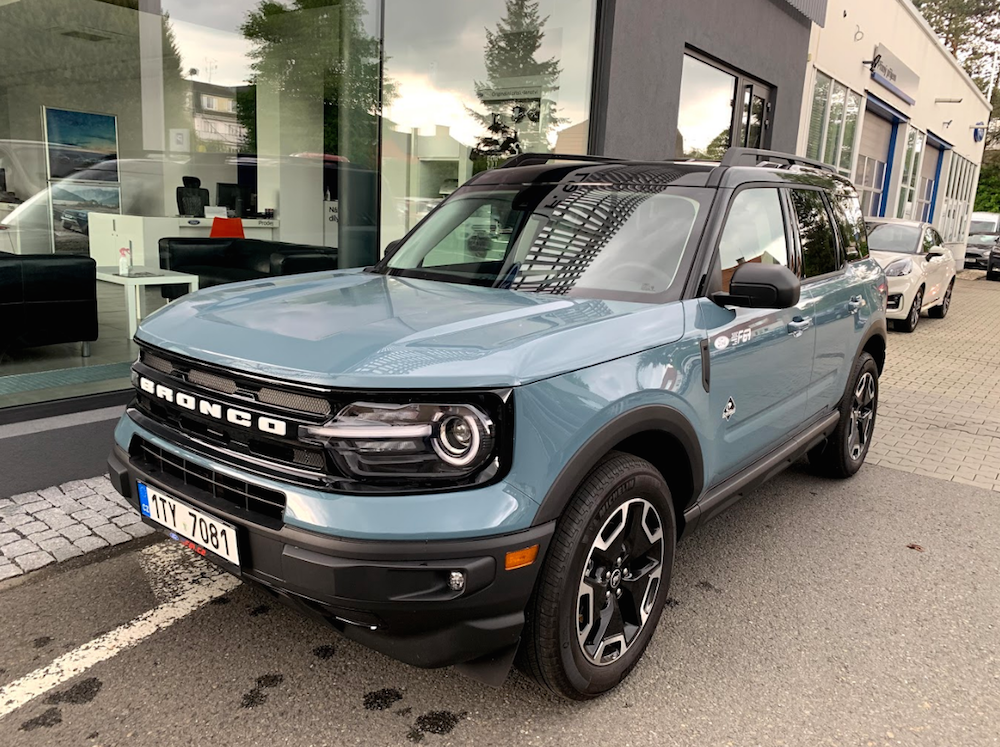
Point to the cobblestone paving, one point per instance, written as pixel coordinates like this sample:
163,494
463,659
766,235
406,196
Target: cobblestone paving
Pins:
62,522
939,409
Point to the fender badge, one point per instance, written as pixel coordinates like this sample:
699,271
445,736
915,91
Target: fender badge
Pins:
721,342
729,410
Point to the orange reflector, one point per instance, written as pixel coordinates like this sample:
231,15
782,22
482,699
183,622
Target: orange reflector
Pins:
521,558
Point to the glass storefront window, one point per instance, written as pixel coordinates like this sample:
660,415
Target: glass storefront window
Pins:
468,85
817,116
207,143
833,123
912,164
706,110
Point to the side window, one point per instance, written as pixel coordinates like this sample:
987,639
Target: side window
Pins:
754,232
819,243
937,238
851,222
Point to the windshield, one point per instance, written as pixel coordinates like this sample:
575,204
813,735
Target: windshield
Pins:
983,226
893,237
984,239
619,243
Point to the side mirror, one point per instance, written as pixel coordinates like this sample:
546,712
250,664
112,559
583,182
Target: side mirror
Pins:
759,286
934,254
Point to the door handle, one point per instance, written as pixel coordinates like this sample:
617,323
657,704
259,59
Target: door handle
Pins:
855,303
798,326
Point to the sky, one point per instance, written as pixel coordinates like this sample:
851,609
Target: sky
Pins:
434,52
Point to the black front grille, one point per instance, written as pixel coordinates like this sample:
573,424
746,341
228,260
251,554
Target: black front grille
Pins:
253,502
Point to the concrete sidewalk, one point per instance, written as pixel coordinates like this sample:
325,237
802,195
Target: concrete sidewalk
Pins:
62,522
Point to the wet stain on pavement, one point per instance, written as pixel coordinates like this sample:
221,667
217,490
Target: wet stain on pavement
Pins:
257,696
404,711
50,718
260,609
93,735
82,692
220,600
708,587
42,641
380,700
671,602
326,651
434,722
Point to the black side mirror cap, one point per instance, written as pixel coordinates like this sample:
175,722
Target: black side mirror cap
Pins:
759,286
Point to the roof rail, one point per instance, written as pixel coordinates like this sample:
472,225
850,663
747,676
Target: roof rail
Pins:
755,156
537,159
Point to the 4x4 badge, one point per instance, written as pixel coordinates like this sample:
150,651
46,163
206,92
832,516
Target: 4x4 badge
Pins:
729,410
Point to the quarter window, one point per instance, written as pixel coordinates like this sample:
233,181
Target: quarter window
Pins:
852,225
754,232
819,245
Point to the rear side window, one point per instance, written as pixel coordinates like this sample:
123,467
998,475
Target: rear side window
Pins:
851,223
819,243
754,232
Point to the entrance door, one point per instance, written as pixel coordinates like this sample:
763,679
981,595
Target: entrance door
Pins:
760,359
755,117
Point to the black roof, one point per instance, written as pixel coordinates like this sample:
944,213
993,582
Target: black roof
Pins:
740,165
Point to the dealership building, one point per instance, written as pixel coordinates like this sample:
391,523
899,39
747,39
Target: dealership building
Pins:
332,128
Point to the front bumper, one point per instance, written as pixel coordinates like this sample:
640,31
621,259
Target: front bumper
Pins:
901,292
392,596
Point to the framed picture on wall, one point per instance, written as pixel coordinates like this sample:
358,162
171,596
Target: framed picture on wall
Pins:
76,141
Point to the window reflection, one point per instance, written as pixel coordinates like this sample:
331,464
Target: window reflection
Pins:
472,85
706,110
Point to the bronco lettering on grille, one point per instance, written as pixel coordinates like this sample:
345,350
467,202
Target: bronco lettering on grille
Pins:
213,409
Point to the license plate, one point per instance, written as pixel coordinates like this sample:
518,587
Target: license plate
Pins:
205,531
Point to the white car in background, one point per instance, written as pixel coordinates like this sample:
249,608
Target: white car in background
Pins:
920,269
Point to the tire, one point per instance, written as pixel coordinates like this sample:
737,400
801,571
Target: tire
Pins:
845,451
563,647
941,310
990,275
913,318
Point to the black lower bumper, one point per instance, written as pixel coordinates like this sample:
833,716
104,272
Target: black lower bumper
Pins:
392,596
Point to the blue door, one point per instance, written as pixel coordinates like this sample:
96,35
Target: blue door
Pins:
760,359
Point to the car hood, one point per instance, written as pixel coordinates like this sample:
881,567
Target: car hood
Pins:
354,329
887,258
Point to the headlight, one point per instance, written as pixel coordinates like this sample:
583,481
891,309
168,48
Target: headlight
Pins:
382,442
898,268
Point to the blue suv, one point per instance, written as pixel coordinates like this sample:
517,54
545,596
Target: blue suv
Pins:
486,447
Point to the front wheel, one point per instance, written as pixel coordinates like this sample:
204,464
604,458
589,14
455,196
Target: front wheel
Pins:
913,318
604,583
941,310
845,451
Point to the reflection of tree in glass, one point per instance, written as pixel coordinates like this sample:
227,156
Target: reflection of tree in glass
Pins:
312,47
819,247
714,151
518,115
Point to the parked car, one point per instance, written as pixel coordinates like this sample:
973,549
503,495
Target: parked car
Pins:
919,267
977,250
984,223
458,458
76,220
993,267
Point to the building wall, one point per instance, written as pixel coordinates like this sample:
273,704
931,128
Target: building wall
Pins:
839,48
767,39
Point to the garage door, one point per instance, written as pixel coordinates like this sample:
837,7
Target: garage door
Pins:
873,153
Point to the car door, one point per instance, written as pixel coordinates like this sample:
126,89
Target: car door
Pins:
938,261
760,360
834,286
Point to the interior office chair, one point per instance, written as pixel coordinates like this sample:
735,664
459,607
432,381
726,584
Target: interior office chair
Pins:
192,198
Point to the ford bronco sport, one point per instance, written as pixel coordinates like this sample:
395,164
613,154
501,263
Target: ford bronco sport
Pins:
487,445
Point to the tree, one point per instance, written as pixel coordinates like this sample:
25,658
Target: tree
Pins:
988,194
318,47
519,115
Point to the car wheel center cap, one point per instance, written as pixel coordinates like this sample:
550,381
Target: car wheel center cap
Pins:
616,578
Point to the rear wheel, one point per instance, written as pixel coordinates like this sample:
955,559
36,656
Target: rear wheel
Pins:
604,582
845,451
913,318
941,310
991,275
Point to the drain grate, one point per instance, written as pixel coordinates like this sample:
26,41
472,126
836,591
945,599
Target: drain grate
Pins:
30,382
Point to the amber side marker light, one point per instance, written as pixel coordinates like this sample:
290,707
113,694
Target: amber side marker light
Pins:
521,558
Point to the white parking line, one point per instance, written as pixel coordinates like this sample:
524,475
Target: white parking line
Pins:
171,569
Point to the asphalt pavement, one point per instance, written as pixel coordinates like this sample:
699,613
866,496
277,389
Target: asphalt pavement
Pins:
815,612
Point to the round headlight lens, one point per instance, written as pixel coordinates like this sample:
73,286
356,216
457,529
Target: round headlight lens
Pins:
457,440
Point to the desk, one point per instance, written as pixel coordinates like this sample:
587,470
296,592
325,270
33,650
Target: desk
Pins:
134,285
110,232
